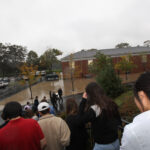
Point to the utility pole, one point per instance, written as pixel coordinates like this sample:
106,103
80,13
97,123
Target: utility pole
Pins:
71,72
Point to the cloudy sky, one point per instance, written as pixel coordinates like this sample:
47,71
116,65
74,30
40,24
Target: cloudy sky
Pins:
72,25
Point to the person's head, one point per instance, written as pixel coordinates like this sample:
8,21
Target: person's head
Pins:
28,114
43,108
142,92
96,95
12,110
36,97
28,103
71,106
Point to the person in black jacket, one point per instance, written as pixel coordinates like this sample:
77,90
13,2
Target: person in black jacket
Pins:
36,103
103,114
78,139
60,93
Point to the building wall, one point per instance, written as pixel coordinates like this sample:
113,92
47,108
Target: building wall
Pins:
65,70
137,60
82,66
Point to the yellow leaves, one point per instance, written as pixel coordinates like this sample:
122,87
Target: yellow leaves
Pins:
28,72
125,64
117,66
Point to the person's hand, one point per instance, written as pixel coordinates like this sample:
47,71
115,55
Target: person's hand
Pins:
84,95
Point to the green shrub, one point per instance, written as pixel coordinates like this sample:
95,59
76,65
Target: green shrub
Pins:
109,81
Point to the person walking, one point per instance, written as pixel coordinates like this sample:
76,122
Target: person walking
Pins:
79,136
55,129
136,135
60,93
20,133
54,101
36,103
103,114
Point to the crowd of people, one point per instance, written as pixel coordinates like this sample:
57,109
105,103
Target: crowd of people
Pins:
38,128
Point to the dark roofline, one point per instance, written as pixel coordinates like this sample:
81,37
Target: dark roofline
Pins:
115,52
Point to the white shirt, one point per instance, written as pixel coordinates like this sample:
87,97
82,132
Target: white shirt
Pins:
136,135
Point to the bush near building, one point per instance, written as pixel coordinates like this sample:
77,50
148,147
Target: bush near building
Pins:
127,107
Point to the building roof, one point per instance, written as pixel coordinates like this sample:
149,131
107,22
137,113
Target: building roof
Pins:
115,52
81,55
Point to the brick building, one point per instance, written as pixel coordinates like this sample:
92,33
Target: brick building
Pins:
79,61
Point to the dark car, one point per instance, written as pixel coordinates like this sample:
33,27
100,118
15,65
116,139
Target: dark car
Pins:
51,77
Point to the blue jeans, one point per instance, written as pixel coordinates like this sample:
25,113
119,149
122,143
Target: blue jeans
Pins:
112,146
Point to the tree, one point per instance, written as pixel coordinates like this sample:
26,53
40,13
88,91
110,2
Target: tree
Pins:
100,63
16,56
17,53
32,58
49,58
29,75
11,57
146,43
109,81
3,59
105,75
122,45
125,65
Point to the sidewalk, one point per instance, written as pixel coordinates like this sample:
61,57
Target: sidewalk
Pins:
131,77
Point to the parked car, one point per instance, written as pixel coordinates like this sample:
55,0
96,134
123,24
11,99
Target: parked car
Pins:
43,72
6,79
37,73
51,77
3,84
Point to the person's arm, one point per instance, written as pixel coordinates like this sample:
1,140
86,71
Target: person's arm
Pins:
129,140
82,104
43,143
64,133
85,116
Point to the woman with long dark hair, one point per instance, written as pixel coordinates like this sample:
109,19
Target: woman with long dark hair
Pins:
78,139
136,135
103,114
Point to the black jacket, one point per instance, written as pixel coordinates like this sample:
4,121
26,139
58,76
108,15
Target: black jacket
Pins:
78,139
105,129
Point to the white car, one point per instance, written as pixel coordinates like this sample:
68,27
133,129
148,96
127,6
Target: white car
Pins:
37,73
43,72
3,84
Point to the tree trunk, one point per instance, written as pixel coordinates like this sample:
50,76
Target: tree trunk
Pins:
30,90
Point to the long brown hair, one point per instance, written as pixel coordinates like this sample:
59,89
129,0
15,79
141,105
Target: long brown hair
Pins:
96,95
71,106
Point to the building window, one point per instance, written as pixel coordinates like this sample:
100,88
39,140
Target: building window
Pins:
90,62
144,58
127,58
72,64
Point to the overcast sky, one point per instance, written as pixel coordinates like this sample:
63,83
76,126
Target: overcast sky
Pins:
72,25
